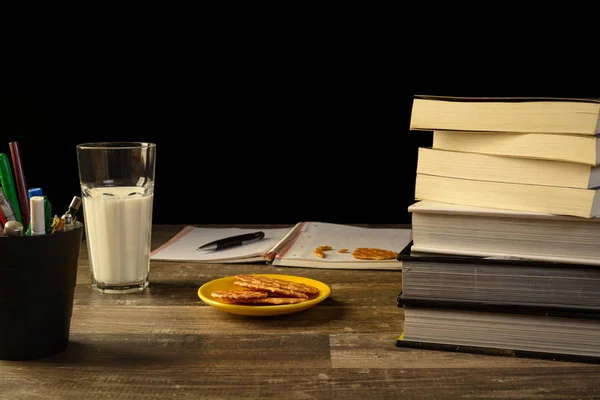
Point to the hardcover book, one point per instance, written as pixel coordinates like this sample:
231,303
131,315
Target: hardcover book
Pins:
502,330
499,281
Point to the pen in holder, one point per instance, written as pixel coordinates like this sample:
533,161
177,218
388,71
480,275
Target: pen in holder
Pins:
37,284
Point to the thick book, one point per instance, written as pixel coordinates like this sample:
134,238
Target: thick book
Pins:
483,167
491,280
452,229
506,114
292,246
559,200
501,330
570,148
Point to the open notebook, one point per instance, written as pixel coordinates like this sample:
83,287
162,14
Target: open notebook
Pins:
289,246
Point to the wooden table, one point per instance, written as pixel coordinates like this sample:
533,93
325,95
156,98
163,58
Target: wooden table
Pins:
166,343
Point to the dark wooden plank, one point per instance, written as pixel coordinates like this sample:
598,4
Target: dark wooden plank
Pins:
202,319
271,382
202,273
158,351
181,291
378,350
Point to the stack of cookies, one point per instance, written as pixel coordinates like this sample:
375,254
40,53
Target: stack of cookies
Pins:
262,290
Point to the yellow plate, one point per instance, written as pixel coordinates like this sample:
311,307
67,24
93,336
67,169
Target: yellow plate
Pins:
227,283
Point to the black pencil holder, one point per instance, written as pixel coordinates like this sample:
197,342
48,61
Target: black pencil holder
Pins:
37,284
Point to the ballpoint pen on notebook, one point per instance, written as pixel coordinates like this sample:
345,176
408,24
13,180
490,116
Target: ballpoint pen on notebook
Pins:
233,241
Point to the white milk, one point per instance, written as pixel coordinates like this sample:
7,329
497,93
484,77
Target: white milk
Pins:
118,232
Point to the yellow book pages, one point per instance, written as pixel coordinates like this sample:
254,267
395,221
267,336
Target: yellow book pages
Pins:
572,148
486,167
542,115
511,196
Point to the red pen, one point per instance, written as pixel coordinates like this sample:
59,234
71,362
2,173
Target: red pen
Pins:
2,219
6,211
20,180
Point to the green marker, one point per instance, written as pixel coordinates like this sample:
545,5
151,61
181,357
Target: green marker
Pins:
47,214
8,184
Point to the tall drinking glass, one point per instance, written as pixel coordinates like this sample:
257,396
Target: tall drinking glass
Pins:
117,188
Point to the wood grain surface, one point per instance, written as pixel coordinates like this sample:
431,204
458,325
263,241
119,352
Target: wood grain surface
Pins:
166,343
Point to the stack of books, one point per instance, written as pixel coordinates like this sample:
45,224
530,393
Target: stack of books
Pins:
505,257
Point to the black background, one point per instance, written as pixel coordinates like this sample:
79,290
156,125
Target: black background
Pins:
254,134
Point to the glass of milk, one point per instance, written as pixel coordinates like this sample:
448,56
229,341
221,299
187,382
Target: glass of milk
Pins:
117,190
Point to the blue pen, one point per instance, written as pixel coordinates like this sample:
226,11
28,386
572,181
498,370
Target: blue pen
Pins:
34,192
37,192
47,207
30,193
